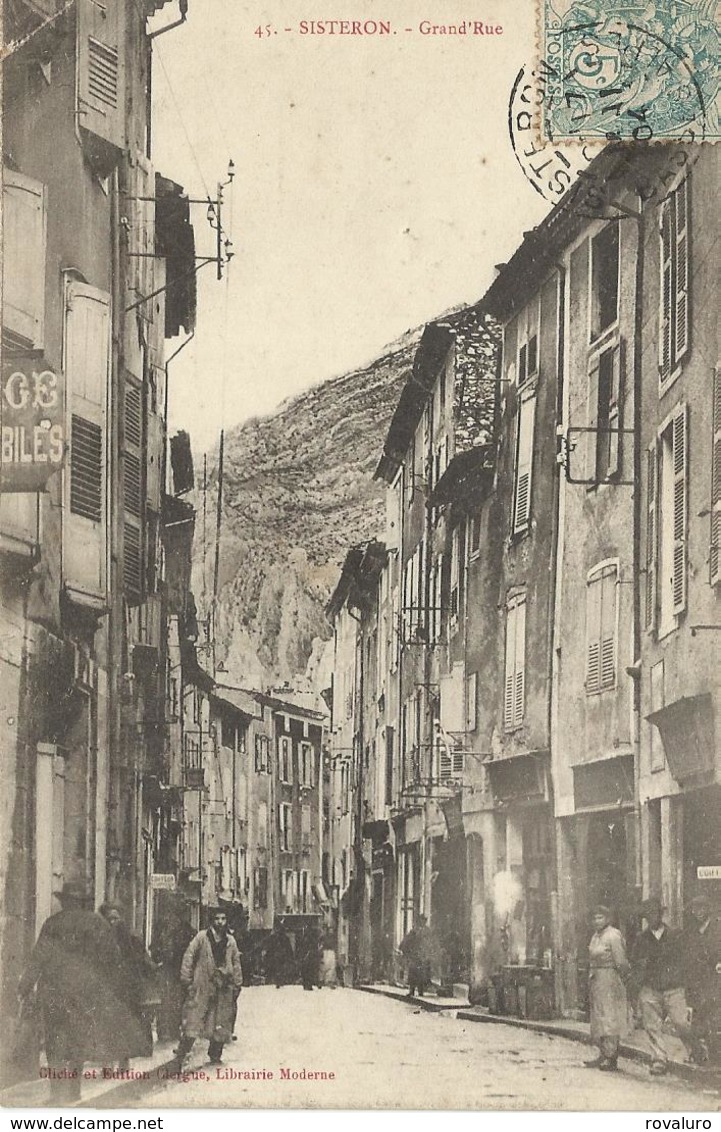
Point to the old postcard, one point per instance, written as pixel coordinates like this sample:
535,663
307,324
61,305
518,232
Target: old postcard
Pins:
360,555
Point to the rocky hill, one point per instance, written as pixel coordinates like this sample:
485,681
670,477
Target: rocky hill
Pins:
299,491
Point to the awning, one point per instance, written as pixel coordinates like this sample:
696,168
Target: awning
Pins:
453,813
687,731
603,783
376,831
520,778
466,478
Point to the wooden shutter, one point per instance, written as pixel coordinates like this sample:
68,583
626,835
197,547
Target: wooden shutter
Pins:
24,243
133,493
593,634
680,506
509,678
101,80
519,702
715,554
592,469
681,206
651,534
609,591
666,294
615,412
472,701
87,359
524,463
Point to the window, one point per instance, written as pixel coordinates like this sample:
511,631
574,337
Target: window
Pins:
474,535
454,600
262,754
528,344
305,827
285,759
285,819
515,670
304,894
86,362
524,462
658,701
288,890
604,280
101,82
674,308
604,401
133,461
601,628
715,549
260,888
390,737
414,612
24,242
666,519
471,701
344,787
307,761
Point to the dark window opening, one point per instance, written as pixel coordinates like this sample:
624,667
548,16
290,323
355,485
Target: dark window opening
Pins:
604,280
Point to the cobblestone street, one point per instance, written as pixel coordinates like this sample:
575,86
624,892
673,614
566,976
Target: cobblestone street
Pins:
389,1054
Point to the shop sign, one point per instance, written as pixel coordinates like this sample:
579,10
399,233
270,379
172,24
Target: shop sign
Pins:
708,872
162,880
32,425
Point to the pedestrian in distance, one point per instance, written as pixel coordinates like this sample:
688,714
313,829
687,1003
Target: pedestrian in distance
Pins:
212,976
702,950
418,950
658,970
608,972
170,942
73,969
136,973
278,957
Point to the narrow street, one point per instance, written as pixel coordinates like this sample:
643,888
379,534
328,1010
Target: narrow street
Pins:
389,1054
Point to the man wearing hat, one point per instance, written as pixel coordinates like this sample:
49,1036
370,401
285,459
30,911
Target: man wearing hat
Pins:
702,949
659,971
73,965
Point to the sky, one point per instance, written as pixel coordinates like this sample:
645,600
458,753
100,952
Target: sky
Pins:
375,185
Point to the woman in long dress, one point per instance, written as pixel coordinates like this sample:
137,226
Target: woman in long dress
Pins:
609,970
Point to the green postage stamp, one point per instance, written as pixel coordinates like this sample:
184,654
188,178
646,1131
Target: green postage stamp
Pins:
642,71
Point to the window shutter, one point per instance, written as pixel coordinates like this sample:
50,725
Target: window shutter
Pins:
615,411
609,591
86,362
592,471
101,81
681,205
24,241
524,463
472,701
133,490
680,506
509,681
715,555
664,338
519,702
651,534
593,634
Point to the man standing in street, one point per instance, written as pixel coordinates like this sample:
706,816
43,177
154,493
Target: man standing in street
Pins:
659,973
212,977
74,966
702,949
418,951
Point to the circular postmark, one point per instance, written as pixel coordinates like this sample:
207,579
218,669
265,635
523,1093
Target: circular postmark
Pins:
550,167
612,76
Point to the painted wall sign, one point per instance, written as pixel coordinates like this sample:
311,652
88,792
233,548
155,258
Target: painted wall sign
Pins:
32,425
708,872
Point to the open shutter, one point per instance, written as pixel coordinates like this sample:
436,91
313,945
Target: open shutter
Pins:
681,205
680,506
23,276
524,462
471,701
609,592
592,470
666,295
87,359
133,490
715,555
593,634
101,81
651,534
614,411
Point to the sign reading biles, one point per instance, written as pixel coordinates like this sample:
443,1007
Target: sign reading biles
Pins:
32,425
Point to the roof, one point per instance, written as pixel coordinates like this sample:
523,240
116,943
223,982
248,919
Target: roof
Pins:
521,277
288,707
239,699
435,342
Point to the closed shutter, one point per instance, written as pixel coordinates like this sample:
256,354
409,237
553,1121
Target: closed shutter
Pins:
666,294
680,506
601,616
715,555
651,534
593,635
515,669
524,463
681,205
101,80
87,359
133,490
609,591
23,274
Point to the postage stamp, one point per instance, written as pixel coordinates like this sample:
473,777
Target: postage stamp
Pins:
644,71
